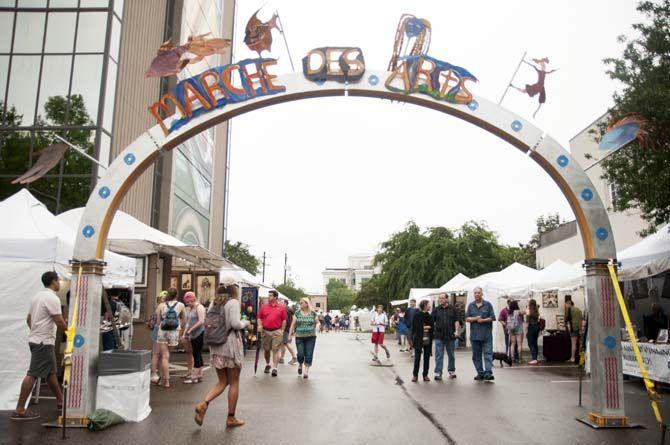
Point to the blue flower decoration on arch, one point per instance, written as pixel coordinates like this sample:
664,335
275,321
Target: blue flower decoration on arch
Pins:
473,105
88,231
320,82
517,126
562,160
129,159
602,234
104,192
609,342
373,80
79,341
587,194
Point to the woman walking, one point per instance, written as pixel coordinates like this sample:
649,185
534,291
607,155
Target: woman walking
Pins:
171,318
304,328
154,324
402,330
515,328
422,340
226,358
194,333
533,320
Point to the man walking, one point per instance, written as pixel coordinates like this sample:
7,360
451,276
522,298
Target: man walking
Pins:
43,318
271,323
480,315
286,342
447,321
379,322
412,310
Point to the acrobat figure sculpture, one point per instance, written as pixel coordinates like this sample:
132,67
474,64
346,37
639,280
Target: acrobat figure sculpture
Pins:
537,87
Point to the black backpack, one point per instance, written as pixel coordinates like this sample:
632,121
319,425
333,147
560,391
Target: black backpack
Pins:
171,320
215,325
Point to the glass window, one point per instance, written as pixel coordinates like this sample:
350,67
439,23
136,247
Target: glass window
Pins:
33,3
7,2
105,145
94,3
60,32
189,182
4,68
110,89
6,24
86,82
74,193
118,8
23,86
55,83
115,39
75,163
63,4
29,32
91,32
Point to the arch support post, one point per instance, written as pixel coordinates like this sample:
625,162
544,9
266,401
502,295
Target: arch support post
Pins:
85,299
607,395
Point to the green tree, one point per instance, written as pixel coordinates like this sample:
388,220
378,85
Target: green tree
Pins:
292,291
339,295
526,253
370,293
238,253
641,174
15,156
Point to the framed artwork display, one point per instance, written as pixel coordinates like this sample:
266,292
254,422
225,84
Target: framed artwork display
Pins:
137,304
560,322
174,282
662,336
206,286
141,271
186,283
550,299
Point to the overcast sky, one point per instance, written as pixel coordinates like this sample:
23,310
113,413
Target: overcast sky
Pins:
321,179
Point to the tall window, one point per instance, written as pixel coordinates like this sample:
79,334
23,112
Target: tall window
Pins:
58,65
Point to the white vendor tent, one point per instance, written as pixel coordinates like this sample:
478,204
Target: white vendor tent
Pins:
648,257
559,275
455,284
130,236
33,241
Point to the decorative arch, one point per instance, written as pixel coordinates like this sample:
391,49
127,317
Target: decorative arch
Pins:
590,213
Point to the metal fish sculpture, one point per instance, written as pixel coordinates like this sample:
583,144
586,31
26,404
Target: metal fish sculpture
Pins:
622,132
258,35
48,159
170,59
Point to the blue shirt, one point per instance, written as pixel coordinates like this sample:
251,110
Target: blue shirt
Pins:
481,331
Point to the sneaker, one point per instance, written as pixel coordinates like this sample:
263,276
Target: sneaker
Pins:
415,379
437,377
300,370
293,361
388,355
267,369
426,378
532,362
274,373
155,378
479,377
281,361
452,375
489,377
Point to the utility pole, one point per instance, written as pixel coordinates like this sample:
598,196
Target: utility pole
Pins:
263,279
285,263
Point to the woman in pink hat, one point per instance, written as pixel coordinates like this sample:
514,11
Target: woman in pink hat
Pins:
194,333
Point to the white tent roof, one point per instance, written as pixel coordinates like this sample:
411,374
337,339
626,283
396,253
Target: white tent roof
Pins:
242,276
648,257
421,293
514,278
559,275
455,284
130,236
30,233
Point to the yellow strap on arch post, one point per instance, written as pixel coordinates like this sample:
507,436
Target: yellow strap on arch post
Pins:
653,395
70,333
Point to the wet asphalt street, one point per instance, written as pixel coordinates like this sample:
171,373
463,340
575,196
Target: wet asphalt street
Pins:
346,400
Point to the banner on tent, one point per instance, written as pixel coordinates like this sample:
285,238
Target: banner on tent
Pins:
656,359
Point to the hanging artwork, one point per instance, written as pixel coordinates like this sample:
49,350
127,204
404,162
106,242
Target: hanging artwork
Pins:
206,286
622,132
186,281
537,89
49,157
174,282
258,35
417,32
170,59
550,299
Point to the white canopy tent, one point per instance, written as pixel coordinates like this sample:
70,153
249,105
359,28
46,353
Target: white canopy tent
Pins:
559,275
131,236
242,276
648,257
455,284
33,241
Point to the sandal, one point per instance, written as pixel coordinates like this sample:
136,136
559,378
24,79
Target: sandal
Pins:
233,422
200,411
26,415
190,381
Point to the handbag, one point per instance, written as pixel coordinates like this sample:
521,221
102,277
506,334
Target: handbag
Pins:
542,323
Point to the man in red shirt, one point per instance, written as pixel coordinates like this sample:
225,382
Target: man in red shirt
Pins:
271,324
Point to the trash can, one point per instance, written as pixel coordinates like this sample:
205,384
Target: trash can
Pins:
124,383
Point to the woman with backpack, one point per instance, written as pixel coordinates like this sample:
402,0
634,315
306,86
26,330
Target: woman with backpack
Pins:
171,318
515,328
194,333
223,326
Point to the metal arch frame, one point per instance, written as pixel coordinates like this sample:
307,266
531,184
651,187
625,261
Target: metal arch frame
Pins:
587,206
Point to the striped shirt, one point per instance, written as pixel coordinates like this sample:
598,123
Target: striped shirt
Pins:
305,325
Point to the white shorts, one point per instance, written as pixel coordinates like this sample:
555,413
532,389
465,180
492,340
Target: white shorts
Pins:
171,338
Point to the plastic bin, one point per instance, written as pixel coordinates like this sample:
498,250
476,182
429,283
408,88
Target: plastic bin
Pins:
123,362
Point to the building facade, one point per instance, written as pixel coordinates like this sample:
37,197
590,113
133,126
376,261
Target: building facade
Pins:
360,269
76,68
565,242
319,302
